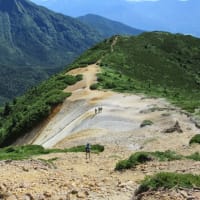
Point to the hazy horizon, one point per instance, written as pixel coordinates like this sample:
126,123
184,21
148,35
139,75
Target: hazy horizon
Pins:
177,16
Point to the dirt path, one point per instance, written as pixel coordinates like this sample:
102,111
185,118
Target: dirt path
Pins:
117,127
114,43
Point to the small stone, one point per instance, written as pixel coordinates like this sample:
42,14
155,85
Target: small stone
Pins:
47,194
183,193
12,197
81,195
28,197
25,169
3,188
86,193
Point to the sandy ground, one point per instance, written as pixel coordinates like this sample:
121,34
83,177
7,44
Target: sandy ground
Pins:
117,127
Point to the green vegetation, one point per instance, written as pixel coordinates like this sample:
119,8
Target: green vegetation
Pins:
94,86
195,139
142,157
146,123
133,160
14,81
112,79
25,152
27,111
166,155
168,181
194,156
93,55
96,148
22,152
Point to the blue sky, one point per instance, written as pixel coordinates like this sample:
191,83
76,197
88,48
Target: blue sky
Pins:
181,16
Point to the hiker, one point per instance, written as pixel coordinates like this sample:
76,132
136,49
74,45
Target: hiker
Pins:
87,150
100,109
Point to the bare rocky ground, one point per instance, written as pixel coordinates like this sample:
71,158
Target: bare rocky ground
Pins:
70,176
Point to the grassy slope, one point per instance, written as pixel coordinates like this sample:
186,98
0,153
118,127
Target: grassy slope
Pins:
162,64
157,63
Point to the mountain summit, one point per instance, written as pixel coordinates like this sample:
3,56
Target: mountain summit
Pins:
107,27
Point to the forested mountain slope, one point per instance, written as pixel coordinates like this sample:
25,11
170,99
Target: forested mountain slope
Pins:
35,43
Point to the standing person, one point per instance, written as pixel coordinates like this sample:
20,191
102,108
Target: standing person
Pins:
87,150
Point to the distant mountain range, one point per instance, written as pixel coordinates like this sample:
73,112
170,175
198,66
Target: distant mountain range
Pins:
108,28
176,16
36,42
35,36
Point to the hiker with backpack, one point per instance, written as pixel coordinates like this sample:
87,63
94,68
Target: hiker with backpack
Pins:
87,150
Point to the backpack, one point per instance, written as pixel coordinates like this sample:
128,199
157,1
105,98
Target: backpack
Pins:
87,146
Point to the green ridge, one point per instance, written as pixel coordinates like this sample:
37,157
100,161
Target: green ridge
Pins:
157,63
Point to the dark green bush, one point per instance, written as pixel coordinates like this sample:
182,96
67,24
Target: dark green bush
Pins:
142,157
133,160
96,148
166,156
194,156
166,180
94,86
146,123
123,164
195,139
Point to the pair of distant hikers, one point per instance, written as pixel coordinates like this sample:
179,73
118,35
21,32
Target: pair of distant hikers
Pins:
98,110
87,150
